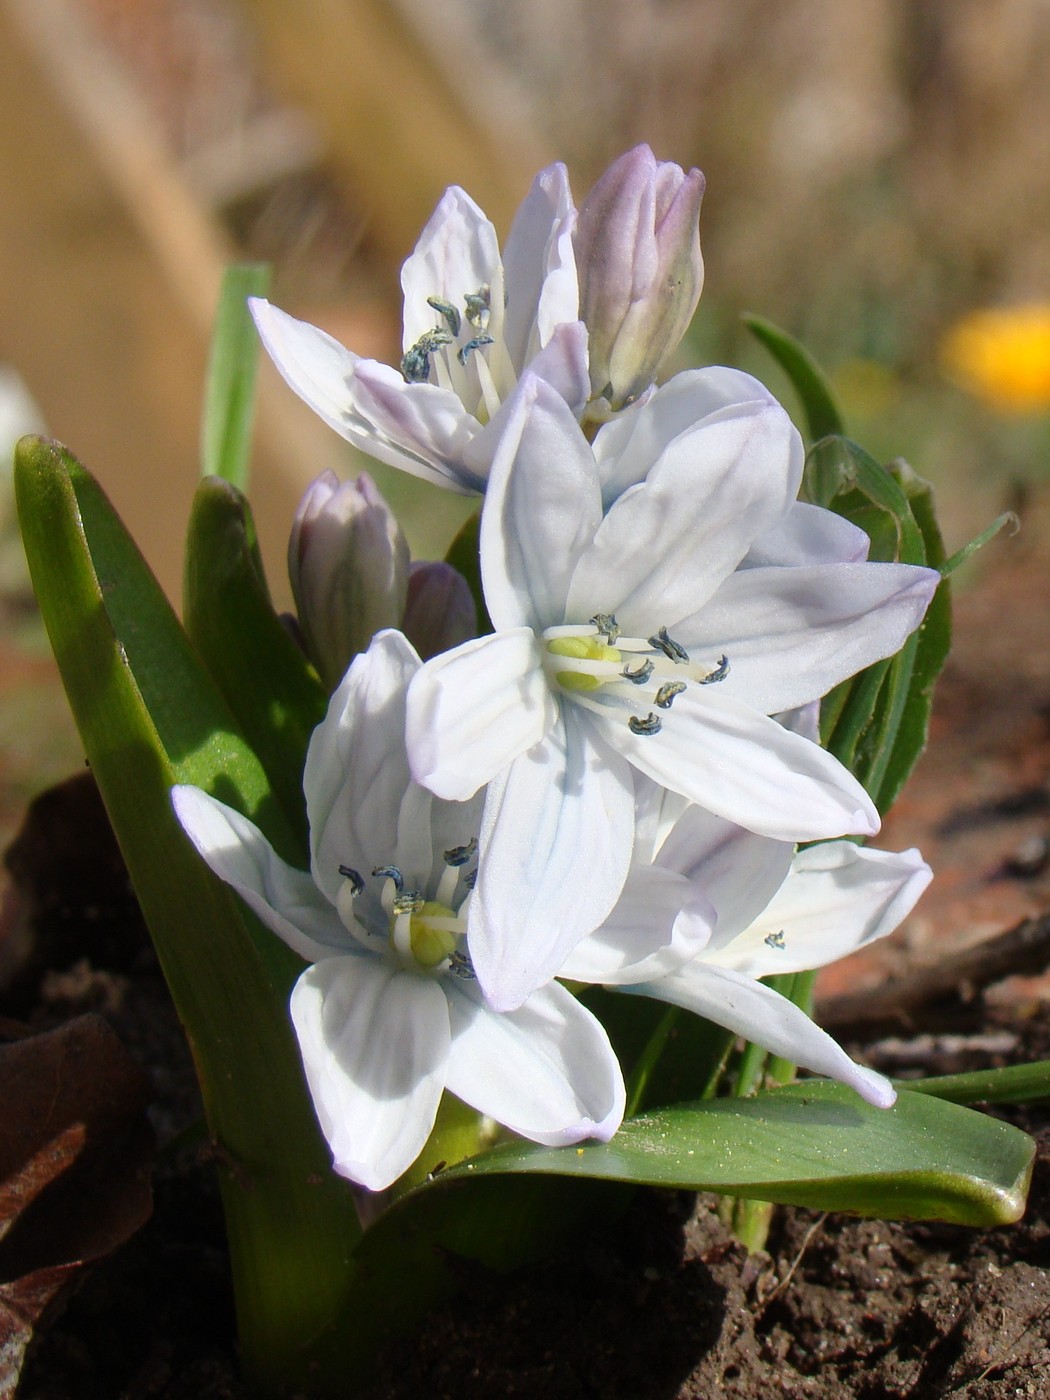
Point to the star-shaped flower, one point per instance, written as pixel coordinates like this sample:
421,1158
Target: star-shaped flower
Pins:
654,606
389,1014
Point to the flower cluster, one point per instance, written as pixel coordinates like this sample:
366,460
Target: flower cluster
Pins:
612,785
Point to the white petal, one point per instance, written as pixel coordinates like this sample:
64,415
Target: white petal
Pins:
737,870
809,534
743,766
418,427
539,266
627,447
541,510
356,771
759,1014
555,850
457,254
287,900
659,922
375,1045
666,544
837,898
546,1070
792,634
471,711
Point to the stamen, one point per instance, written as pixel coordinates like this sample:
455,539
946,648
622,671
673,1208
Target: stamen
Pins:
459,855
666,694
477,305
775,940
449,312
607,627
670,648
470,879
639,677
391,872
459,965
479,340
415,363
652,724
410,902
718,674
349,873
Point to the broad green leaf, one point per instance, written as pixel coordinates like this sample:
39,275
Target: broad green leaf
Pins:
822,415
464,557
813,1143
265,679
149,717
229,399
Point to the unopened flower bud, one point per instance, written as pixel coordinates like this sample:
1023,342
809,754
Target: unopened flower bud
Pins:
348,563
640,269
440,612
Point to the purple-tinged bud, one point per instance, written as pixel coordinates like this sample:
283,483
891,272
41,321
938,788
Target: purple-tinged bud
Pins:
641,272
348,563
440,612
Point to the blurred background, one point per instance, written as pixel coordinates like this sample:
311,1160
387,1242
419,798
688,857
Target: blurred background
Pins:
876,172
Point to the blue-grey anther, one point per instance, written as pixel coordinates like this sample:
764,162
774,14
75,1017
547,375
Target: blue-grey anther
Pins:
607,627
719,673
349,873
775,940
391,872
448,311
459,855
408,902
639,677
415,363
477,305
666,694
652,724
463,354
459,965
670,648
470,879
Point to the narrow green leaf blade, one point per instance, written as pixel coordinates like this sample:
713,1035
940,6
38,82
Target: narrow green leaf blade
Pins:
822,414
229,399
265,679
813,1144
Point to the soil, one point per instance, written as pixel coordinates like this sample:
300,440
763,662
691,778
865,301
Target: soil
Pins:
667,1307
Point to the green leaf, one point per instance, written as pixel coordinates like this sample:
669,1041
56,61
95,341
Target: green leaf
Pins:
229,400
463,555
149,717
1008,520
265,679
1017,1084
822,415
813,1143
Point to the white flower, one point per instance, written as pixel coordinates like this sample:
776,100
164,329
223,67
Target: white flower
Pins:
776,912
652,611
473,321
389,1015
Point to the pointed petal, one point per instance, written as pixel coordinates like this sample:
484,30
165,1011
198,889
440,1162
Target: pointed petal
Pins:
417,427
457,254
659,922
810,535
626,448
666,544
743,766
792,634
555,850
375,1045
473,710
541,510
759,1014
837,898
356,771
285,899
546,1070
539,267
738,871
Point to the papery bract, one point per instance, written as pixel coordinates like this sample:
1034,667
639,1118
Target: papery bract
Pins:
633,632
641,271
389,1015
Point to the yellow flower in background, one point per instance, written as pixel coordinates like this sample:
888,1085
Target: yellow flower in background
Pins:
1002,355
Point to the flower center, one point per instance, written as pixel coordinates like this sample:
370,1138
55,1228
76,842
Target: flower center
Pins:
599,668
423,934
447,355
